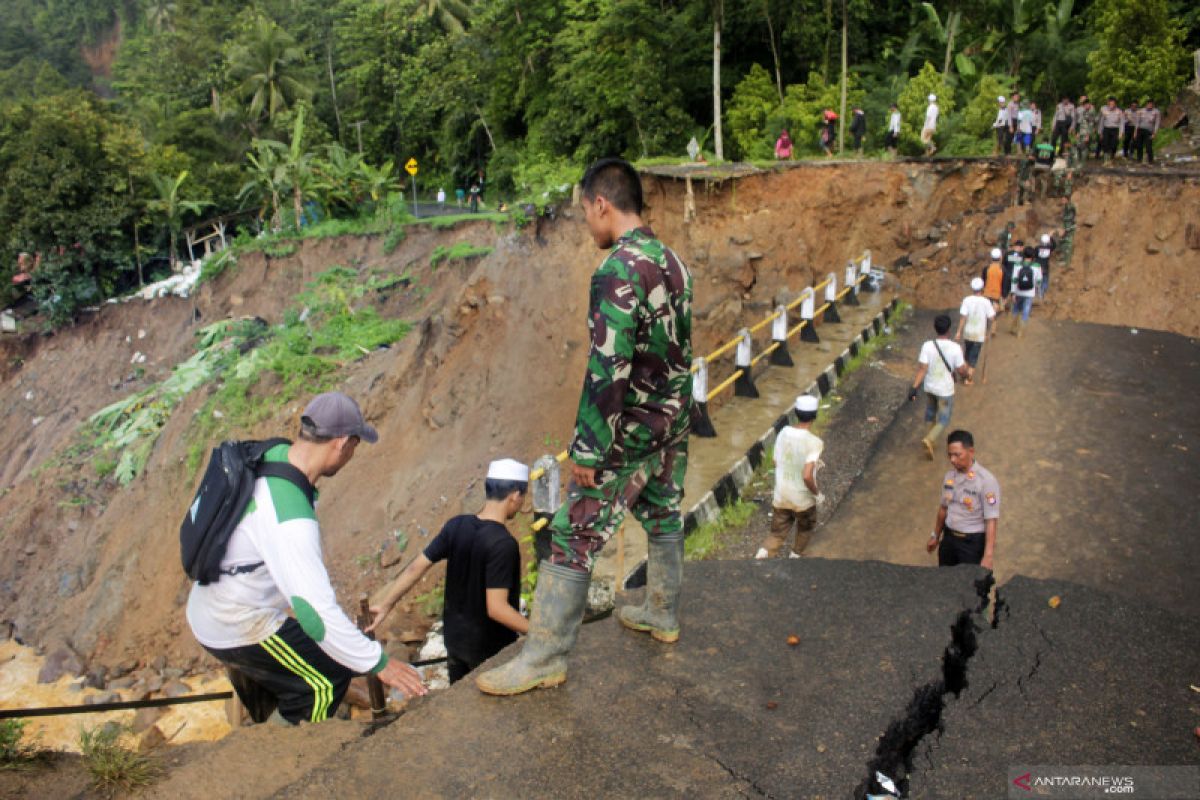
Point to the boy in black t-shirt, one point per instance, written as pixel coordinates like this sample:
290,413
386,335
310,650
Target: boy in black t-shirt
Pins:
483,574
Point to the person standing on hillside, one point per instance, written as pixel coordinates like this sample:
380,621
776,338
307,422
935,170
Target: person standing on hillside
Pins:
1111,120
476,194
1035,116
1085,130
1148,121
941,364
993,281
1026,279
483,574
969,511
797,456
783,146
273,618
630,445
1129,129
975,320
1012,264
1064,123
892,138
1012,115
929,129
1000,125
858,128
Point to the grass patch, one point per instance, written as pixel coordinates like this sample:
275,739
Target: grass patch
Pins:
459,251
432,602
706,540
113,767
448,221
15,752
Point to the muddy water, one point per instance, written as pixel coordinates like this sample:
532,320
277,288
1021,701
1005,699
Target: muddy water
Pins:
19,689
740,421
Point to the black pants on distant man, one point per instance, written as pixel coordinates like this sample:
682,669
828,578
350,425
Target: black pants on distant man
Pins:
1144,142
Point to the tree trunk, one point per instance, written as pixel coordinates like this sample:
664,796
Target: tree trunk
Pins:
486,129
718,21
828,38
774,49
337,113
845,80
298,206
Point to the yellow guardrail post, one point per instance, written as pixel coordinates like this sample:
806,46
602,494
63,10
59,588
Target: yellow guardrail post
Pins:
546,479
744,387
780,356
831,296
850,290
807,312
701,422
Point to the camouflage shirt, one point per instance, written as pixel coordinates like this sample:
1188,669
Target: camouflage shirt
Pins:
637,393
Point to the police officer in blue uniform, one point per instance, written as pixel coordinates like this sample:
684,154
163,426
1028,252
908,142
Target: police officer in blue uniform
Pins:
965,530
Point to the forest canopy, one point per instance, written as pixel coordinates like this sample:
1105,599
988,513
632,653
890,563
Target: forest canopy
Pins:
123,121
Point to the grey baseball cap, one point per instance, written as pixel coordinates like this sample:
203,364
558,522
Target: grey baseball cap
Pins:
334,414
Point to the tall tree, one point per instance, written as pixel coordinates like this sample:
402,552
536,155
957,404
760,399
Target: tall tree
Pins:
269,66
1140,51
451,16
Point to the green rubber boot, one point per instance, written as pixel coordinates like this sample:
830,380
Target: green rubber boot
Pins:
553,629
664,578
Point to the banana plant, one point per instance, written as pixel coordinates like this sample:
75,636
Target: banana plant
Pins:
171,207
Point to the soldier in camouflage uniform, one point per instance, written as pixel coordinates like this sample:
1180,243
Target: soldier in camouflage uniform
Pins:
1086,131
630,446
1024,174
1068,235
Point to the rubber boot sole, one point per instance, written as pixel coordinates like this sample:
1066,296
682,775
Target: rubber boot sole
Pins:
548,682
658,634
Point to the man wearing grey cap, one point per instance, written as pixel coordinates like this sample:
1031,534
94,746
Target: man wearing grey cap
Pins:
483,574
298,665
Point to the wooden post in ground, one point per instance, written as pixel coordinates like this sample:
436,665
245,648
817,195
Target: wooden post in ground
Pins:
374,685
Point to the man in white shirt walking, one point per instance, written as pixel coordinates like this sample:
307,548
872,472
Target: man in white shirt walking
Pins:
975,320
941,363
930,127
1026,279
797,456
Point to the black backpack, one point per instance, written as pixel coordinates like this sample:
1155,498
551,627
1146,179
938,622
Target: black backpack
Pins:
1025,278
221,500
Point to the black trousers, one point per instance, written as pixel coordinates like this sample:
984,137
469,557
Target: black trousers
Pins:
955,550
1127,141
288,671
1108,140
1144,142
460,667
1061,134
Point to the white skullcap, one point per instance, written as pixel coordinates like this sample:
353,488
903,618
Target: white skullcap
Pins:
806,402
508,469
1045,238
1000,99
996,253
976,284
932,97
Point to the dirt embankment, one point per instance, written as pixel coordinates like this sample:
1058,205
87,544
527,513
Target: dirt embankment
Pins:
491,368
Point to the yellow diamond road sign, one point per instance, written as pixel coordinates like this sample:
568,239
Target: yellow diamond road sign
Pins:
411,166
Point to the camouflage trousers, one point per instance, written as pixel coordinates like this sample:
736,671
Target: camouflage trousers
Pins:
652,489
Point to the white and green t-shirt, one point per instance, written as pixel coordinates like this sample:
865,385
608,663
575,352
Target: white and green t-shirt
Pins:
279,531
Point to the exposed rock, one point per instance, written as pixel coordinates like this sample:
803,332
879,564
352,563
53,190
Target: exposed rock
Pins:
1152,248
741,240
126,682
175,689
69,583
101,698
96,677
145,718
62,661
152,739
1192,235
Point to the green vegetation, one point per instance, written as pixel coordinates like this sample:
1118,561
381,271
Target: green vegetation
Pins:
16,753
124,123
113,767
706,540
459,251
431,603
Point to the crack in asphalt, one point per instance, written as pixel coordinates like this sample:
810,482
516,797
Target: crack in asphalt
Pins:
733,773
923,714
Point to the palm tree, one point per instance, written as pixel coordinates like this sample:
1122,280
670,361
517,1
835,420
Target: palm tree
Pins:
160,14
171,207
450,15
269,67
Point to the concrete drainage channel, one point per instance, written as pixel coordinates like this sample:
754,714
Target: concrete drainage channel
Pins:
729,486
